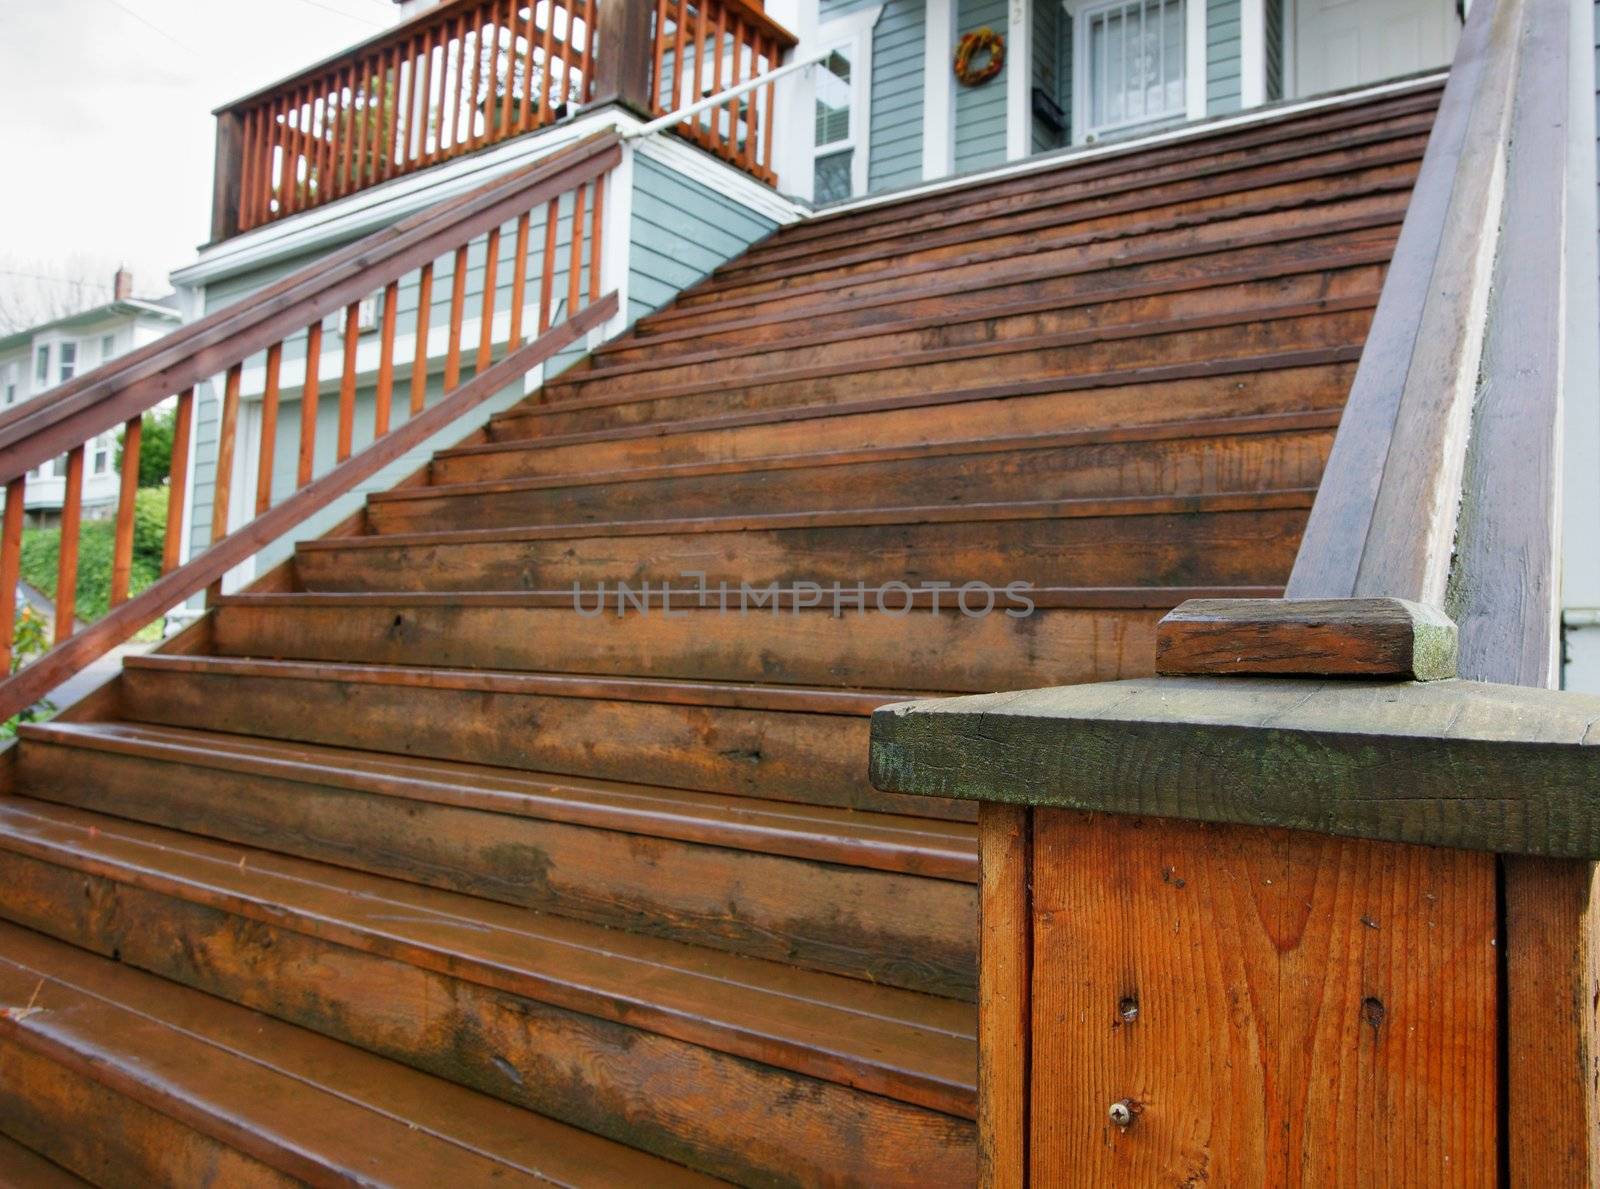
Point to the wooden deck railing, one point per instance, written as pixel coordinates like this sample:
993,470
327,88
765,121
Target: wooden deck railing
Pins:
531,242
1364,865
471,73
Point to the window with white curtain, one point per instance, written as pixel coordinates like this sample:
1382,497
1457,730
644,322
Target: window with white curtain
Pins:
842,82
1129,66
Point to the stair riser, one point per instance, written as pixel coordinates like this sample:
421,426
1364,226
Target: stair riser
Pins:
1216,549
1006,295
1165,213
709,1110
921,650
1181,467
1105,410
1215,345
1113,319
801,757
108,1138
892,929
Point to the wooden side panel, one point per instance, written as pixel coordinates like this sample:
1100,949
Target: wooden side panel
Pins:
1004,975
1268,1007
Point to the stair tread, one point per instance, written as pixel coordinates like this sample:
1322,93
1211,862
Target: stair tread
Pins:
910,1046
300,1102
884,841
23,1168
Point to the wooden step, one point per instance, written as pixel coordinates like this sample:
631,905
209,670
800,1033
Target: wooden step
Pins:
129,1079
1227,539
776,743
741,1068
870,896
22,1168
1260,454
1188,400
1050,363
1321,288
1072,635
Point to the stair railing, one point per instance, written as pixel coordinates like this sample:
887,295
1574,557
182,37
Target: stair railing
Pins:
530,304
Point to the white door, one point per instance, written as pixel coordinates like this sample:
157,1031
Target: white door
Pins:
1345,43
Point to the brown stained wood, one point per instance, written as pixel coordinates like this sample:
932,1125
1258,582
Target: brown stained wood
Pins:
491,265
23,1168
122,540
547,275
519,282
1005,980
384,395
347,382
458,300
419,364
575,245
178,488
67,563
309,393
269,429
11,561
597,238
1317,637
1268,1007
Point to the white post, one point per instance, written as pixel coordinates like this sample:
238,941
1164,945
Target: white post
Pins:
938,92
1252,53
616,235
1194,60
794,102
1019,80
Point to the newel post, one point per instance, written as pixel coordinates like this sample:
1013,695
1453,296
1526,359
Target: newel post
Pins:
228,171
625,55
1241,921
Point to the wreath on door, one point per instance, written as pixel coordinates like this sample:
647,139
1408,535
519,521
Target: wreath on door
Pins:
981,45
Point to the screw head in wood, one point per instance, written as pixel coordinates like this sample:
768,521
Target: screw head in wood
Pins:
1121,1112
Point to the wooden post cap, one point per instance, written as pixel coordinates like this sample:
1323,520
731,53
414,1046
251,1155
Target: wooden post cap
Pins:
1308,638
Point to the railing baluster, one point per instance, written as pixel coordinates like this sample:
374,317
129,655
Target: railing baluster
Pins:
658,88
548,279
247,169
122,540
347,380
178,489
586,62
525,108
67,558
507,26
519,282
491,265
473,134
714,129
454,83
547,102
419,363
575,252
458,301
308,405
385,390
11,565
422,104
767,121
269,429
679,35
699,56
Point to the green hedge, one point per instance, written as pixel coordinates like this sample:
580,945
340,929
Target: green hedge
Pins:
41,554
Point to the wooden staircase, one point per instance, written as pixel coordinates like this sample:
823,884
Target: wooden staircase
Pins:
403,867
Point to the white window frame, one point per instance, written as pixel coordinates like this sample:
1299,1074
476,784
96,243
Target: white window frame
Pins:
1080,12
61,360
855,31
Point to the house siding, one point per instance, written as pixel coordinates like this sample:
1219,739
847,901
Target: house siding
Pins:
981,111
1223,58
895,132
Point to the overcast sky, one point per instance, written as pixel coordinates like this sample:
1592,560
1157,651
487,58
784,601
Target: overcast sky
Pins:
105,117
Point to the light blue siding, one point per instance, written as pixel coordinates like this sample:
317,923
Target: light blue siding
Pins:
981,111
1222,56
895,126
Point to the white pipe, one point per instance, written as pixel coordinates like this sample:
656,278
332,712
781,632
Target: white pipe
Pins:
721,97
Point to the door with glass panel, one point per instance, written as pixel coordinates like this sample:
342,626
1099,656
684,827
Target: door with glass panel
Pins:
1129,66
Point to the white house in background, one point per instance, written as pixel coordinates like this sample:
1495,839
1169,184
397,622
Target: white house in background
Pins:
37,359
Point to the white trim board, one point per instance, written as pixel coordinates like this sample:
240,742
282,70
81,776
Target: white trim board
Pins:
938,91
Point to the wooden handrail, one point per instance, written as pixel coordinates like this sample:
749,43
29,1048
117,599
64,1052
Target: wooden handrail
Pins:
564,189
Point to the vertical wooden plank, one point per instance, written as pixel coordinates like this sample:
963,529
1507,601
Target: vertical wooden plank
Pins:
525,107
269,429
596,237
67,559
767,120
491,266
714,130
507,83
1553,994
347,380
308,405
1267,1007
248,166
575,252
474,135
658,79
548,277
122,536
1005,957
423,102
547,91
345,122
11,564
586,61
519,281
361,111
679,39
385,391
419,362
178,490
458,301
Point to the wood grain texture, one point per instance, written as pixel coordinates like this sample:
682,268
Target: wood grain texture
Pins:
1274,1008
1447,763
1322,637
1005,1042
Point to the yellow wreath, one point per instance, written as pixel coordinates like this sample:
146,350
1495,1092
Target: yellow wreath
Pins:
980,41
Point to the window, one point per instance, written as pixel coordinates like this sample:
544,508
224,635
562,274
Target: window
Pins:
9,382
41,367
69,362
842,85
108,347
102,454
1130,66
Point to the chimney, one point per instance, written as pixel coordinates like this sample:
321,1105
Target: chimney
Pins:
122,285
